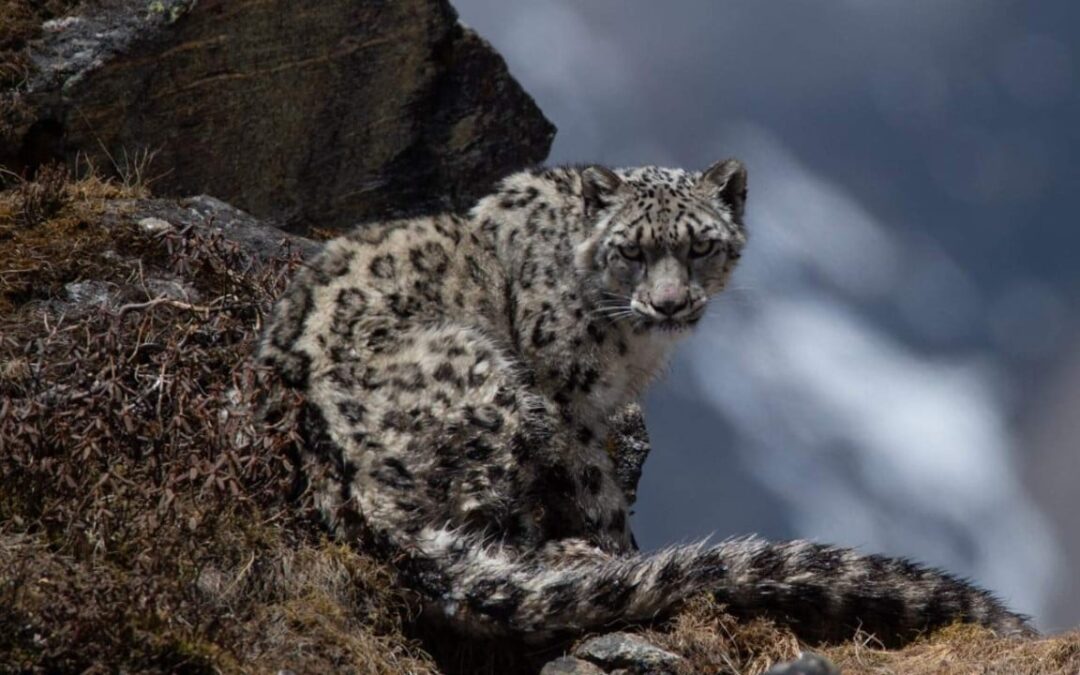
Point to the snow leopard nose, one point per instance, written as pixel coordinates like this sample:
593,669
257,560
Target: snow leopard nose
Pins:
669,298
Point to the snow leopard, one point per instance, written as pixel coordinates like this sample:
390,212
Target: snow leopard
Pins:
461,376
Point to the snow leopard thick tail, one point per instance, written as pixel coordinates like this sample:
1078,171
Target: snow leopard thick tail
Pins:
822,592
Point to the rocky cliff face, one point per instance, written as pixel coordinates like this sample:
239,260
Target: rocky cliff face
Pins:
316,115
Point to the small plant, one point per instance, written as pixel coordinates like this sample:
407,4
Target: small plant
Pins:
42,198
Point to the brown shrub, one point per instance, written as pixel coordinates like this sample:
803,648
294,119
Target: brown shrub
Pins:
964,649
145,521
41,199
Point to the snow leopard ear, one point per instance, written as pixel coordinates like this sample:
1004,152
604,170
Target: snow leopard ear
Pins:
598,185
726,181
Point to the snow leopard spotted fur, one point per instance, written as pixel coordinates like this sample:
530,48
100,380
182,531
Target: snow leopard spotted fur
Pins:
461,374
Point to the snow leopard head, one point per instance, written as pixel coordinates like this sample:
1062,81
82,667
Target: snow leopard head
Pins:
664,240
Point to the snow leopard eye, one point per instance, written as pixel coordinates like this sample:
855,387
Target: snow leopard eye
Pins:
703,247
630,252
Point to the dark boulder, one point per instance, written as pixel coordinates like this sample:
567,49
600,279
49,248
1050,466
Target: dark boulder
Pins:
316,115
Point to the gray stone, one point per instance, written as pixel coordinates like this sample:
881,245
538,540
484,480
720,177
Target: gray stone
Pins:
87,292
632,652
807,664
315,114
154,225
568,665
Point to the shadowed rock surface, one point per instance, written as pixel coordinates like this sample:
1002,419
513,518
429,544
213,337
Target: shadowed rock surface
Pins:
320,116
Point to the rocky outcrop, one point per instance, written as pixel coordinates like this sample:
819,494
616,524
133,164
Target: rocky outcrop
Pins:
316,116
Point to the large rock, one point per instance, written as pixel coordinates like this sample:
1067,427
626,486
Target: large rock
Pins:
314,114
629,653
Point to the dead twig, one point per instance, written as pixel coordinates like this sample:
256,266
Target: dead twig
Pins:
217,305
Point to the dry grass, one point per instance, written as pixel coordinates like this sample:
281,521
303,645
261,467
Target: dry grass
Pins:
149,523
963,649
715,642
49,235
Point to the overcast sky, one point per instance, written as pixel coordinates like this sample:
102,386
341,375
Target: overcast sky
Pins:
910,286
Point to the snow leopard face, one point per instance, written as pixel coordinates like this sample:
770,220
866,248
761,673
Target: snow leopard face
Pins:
665,240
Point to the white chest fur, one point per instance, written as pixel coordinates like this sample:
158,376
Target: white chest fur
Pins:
626,379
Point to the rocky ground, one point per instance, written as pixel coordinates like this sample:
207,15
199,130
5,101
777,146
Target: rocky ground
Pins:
149,521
